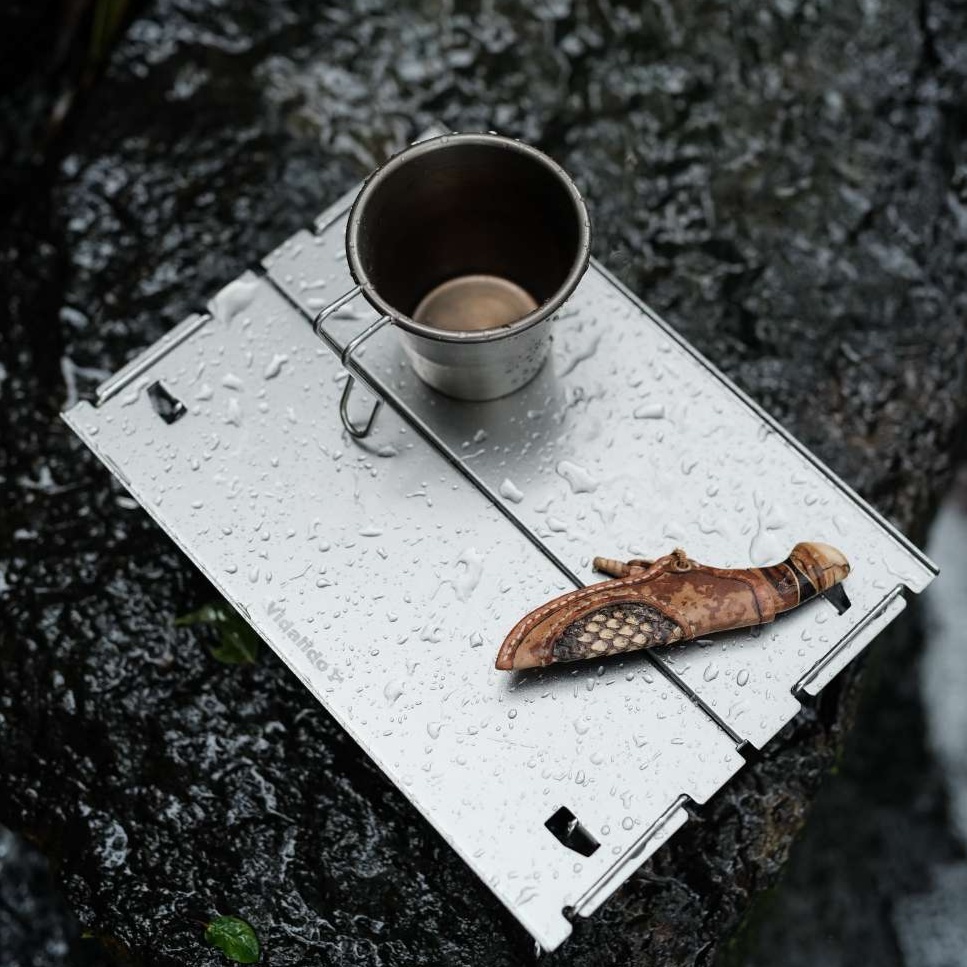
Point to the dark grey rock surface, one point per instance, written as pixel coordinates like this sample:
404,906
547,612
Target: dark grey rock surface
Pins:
785,182
879,875
33,918
872,859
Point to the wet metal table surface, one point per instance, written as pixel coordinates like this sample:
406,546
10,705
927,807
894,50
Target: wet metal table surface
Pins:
629,444
386,572
385,580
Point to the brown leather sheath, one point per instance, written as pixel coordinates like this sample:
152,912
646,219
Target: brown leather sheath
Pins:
660,602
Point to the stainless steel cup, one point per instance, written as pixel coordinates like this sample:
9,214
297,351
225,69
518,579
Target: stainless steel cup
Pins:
469,243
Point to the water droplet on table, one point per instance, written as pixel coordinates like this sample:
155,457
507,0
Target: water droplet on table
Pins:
393,690
235,297
510,492
275,365
578,478
649,411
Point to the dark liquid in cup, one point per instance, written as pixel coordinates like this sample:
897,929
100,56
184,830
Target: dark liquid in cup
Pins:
473,302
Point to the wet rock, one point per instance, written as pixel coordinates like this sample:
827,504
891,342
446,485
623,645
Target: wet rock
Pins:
36,928
930,928
784,182
879,874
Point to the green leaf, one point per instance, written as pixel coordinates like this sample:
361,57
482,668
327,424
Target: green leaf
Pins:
237,644
234,938
106,24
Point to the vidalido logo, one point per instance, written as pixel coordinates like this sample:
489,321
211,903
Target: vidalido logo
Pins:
303,642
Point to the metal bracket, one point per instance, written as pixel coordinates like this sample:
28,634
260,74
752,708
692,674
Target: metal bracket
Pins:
345,357
837,658
645,846
142,363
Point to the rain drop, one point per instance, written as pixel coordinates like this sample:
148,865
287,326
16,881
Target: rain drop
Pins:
275,366
510,492
393,690
579,480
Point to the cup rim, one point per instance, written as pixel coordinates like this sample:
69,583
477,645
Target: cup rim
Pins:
551,305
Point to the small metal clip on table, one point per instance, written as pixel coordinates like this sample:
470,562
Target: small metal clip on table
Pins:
385,570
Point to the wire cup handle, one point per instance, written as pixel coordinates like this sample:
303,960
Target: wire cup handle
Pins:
345,357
